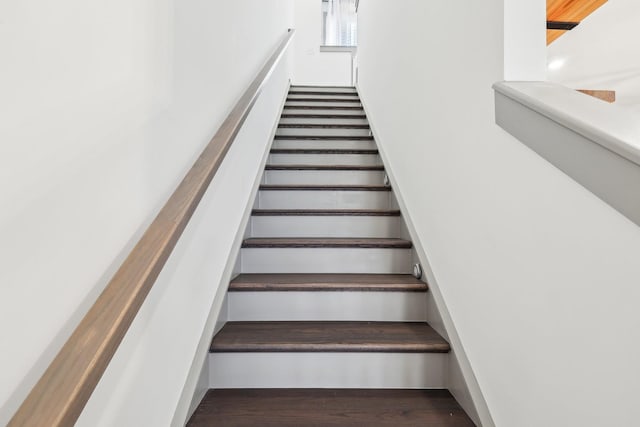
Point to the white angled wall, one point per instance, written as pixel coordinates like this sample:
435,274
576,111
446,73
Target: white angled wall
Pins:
310,65
104,107
539,275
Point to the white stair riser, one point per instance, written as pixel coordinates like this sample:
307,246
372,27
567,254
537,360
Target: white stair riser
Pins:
322,121
329,306
294,110
322,104
325,226
324,159
323,132
324,199
350,96
344,89
327,370
319,177
345,144
326,260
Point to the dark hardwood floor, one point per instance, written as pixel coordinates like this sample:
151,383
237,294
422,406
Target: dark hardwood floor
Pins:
329,408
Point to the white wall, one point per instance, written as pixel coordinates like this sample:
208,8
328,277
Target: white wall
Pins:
310,65
104,107
525,40
540,276
602,53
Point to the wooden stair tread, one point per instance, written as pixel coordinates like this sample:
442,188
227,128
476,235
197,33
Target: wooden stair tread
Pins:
324,137
329,336
322,116
269,187
320,92
324,167
327,282
322,107
321,151
323,126
322,87
325,212
357,99
328,408
326,242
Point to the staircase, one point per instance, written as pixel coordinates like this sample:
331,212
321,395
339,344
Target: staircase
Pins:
325,325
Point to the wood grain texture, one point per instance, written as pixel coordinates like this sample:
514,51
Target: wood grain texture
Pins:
321,107
604,95
315,92
62,392
321,151
323,138
350,99
552,35
267,187
324,212
317,87
360,337
327,283
569,11
322,126
329,408
324,167
323,116
326,242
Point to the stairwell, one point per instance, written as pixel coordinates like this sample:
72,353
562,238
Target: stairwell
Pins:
326,325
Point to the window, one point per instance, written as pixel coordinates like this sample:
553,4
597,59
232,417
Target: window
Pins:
339,23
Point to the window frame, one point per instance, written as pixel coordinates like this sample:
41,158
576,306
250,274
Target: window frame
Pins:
335,48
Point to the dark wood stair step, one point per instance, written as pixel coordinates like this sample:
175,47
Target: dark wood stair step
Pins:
321,151
268,187
326,242
324,137
318,87
326,283
322,107
323,116
324,212
327,336
328,408
356,99
322,126
324,167
319,92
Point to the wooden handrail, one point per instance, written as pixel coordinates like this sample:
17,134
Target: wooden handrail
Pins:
64,389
